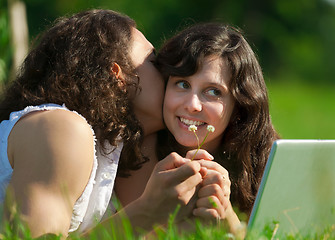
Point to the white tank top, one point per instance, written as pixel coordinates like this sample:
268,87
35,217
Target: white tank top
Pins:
95,199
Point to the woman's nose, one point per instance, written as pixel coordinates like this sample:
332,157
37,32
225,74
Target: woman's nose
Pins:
193,103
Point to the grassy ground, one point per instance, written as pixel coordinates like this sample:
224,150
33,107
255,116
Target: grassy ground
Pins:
171,233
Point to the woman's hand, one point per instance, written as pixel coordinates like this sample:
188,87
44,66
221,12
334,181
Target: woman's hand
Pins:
214,198
214,193
173,182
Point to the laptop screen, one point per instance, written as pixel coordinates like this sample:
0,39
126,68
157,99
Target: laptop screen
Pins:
297,191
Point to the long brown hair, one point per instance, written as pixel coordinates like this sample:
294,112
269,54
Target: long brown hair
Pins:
71,65
248,138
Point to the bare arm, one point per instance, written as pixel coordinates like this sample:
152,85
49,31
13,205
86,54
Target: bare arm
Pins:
52,155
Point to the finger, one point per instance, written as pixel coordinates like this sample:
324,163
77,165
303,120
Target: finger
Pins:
210,202
172,161
206,213
190,183
212,190
187,189
180,174
201,154
214,166
215,190
213,202
203,171
214,177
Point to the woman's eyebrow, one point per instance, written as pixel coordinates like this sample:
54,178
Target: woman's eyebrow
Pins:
219,85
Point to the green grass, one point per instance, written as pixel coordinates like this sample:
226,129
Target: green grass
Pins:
17,231
302,110
201,232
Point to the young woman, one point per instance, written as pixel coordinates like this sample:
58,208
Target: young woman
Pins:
213,78
81,97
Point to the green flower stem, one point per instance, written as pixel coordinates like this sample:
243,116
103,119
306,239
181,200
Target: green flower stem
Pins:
197,139
199,146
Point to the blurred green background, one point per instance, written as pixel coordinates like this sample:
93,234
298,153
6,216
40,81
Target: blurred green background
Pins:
294,40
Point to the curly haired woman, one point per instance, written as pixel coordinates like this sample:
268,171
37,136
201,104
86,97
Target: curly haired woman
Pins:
81,97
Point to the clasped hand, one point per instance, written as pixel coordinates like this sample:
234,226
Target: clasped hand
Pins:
201,187
214,190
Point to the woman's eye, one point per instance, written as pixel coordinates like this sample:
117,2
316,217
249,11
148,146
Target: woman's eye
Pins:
214,92
183,84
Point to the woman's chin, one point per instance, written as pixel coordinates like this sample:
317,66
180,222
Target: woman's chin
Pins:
188,144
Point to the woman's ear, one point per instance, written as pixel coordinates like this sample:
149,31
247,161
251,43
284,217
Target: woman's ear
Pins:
116,70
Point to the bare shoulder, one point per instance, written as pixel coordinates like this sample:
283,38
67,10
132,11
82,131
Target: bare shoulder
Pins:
54,128
56,146
55,119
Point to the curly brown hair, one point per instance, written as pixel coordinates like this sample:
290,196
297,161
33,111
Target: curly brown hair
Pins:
71,65
248,138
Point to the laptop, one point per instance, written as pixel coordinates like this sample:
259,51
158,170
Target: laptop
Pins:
297,191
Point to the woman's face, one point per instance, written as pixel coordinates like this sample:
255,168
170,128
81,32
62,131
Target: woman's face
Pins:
148,103
201,99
